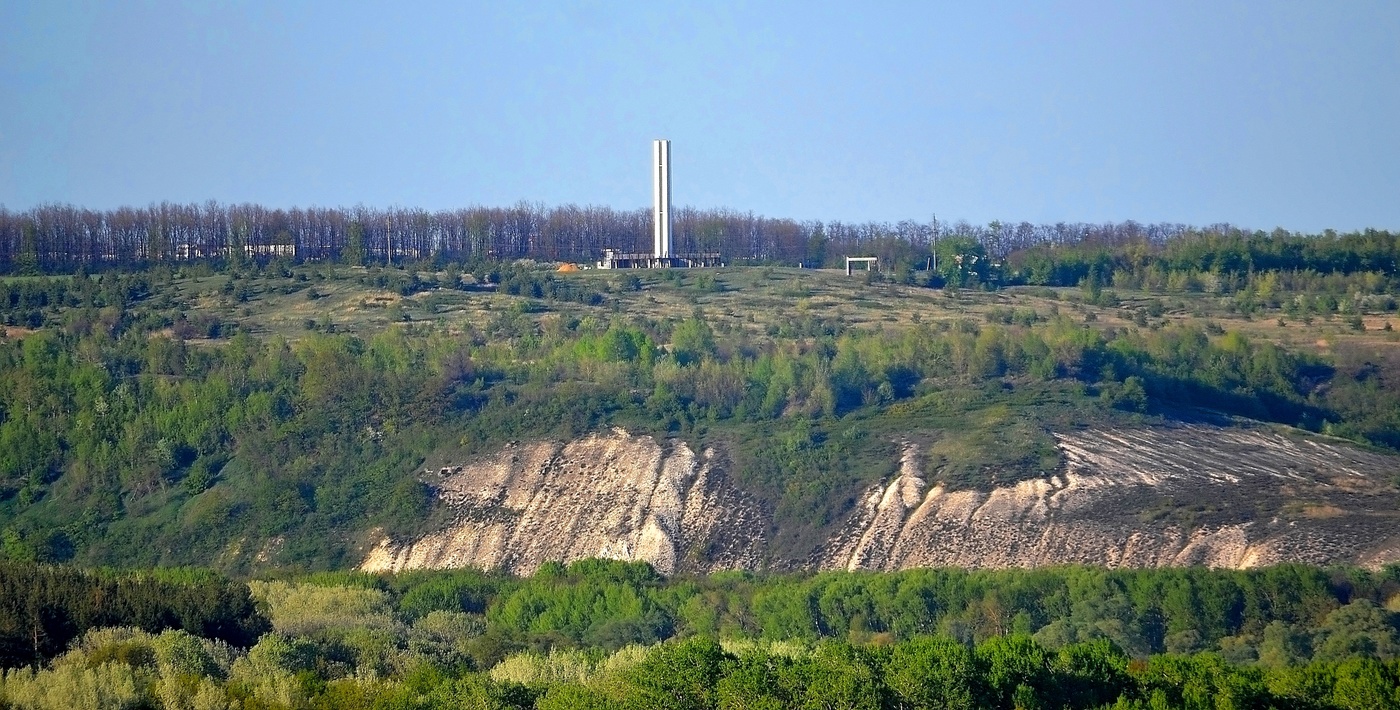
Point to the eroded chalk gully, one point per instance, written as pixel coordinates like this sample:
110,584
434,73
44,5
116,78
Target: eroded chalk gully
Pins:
1147,497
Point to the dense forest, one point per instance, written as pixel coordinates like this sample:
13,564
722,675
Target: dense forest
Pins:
62,238
59,236
600,634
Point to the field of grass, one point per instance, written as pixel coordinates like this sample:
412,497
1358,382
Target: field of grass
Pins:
760,301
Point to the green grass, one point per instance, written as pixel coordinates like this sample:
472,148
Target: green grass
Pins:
754,300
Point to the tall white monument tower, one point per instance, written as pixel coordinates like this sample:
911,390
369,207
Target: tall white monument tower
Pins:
661,197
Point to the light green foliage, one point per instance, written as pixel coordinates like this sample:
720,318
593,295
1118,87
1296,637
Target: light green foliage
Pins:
179,653
450,625
603,684
573,696
192,693
692,340
622,660
106,668
311,609
559,667
376,652
475,692
125,667
444,636
68,685
357,625
786,648
268,672
619,343
535,669
134,647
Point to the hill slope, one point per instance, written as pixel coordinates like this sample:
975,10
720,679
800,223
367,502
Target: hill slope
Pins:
282,416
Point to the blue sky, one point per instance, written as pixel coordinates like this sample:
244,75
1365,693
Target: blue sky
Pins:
1262,114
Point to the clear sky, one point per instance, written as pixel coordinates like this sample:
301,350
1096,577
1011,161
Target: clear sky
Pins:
1261,114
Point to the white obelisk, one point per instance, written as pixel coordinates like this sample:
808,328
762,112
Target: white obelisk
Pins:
661,197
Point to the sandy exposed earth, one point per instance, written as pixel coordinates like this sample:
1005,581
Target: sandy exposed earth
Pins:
612,495
1190,494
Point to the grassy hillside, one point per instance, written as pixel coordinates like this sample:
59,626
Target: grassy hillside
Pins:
273,416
